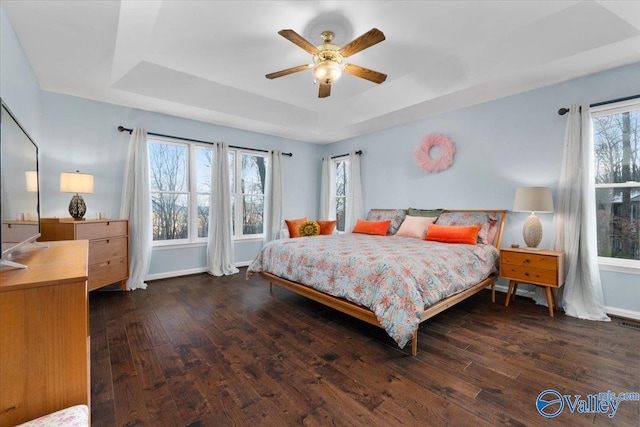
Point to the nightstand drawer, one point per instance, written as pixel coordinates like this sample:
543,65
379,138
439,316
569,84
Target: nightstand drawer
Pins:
107,249
529,275
101,230
107,272
534,260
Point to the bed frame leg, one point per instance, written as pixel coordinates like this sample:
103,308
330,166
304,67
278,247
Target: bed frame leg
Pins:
493,291
414,343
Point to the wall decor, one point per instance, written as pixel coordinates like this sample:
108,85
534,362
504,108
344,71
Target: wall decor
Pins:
423,157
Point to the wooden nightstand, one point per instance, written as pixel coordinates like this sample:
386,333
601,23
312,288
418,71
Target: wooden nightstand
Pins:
536,267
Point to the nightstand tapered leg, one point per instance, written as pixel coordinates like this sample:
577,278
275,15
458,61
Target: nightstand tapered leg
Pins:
506,301
549,300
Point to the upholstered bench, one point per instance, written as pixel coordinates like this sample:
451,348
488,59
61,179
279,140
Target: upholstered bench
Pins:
74,416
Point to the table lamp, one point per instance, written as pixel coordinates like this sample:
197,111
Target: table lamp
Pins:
533,199
76,182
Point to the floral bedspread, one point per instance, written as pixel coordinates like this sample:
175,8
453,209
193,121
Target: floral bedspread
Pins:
395,277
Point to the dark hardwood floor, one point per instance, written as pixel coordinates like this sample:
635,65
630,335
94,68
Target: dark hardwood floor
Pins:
206,351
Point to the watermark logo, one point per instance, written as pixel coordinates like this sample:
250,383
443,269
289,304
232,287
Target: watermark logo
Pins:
550,403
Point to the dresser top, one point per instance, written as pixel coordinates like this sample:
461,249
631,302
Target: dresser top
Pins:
60,262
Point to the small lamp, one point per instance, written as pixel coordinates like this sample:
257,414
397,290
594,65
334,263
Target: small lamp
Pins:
76,182
32,181
533,199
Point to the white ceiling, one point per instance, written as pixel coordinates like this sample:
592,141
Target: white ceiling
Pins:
206,60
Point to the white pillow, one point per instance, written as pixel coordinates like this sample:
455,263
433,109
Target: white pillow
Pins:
415,226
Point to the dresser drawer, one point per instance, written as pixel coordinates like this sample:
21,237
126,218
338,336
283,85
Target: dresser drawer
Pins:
101,230
529,275
107,272
107,249
547,262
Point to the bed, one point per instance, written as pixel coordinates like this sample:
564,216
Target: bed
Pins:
392,282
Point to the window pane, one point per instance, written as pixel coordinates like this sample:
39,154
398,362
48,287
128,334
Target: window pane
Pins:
168,167
203,169
341,212
232,168
616,147
253,208
233,214
341,178
618,223
203,215
170,216
254,171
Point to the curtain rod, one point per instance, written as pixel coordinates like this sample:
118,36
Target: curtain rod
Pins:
359,152
124,129
564,111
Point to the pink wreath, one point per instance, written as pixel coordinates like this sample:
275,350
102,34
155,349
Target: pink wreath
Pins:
423,157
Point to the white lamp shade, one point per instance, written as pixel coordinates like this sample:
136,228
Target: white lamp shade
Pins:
75,182
32,181
533,199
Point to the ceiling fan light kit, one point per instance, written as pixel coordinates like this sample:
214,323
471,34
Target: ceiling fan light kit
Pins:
328,59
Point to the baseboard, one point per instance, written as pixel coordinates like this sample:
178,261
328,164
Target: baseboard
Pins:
613,311
178,273
522,292
622,312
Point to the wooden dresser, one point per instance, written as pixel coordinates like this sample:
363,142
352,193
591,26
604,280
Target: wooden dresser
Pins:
17,231
537,267
108,246
44,332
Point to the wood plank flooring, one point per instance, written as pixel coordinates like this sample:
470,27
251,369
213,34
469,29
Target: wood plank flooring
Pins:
207,351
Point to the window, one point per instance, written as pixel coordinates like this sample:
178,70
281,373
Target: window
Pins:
342,180
247,194
616,136
180,181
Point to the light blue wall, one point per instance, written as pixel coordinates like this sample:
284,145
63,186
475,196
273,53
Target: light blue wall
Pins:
81,134
503,144
19,88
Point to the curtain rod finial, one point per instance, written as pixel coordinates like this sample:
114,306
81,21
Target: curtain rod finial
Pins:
563,111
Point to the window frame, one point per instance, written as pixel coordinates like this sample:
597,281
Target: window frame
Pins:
188,240
622,265
192,193
238,195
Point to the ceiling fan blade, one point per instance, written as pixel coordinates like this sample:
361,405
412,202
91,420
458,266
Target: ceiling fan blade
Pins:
288,71
366,40
324,91
298,40
365,73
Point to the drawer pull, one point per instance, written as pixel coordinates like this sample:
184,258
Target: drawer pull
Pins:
526,274
526,261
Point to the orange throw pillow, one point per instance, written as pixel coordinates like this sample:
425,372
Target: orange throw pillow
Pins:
453,234
372,227
294,226
326,227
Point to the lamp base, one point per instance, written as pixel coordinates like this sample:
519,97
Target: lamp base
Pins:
77,208
532,232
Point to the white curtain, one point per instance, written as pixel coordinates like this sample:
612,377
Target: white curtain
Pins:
575,220
328,190
354,193
274,203
219,244
136,207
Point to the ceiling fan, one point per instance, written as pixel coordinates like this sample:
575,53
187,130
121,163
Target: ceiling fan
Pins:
328,59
